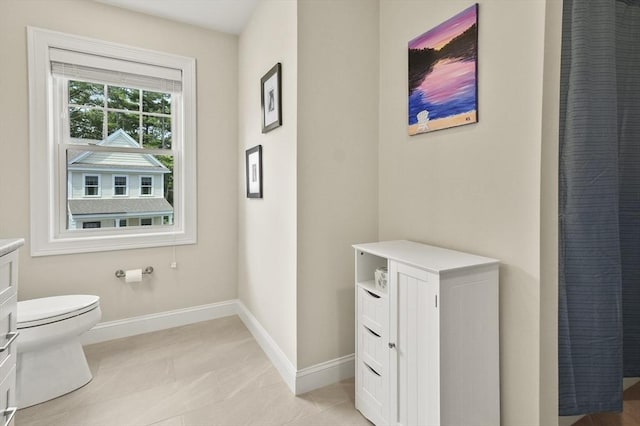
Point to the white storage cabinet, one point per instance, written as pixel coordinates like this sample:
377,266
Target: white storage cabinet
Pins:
8,333
427,345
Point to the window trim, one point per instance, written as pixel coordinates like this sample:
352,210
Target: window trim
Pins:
46,161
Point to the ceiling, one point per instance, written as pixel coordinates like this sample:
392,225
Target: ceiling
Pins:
229,16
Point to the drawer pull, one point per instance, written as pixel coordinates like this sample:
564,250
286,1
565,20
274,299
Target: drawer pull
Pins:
11,336
372,370
372,294
8,414
371,331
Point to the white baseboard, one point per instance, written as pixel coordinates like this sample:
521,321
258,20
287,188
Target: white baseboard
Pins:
325,373
298,381
147,323
269,346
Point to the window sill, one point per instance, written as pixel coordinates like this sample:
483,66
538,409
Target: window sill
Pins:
140,238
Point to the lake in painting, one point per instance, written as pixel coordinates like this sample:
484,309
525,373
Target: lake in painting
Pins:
443,74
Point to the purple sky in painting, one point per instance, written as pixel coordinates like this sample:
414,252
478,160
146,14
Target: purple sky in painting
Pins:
449,80
440,35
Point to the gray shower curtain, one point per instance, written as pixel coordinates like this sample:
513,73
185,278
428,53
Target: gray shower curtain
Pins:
599,204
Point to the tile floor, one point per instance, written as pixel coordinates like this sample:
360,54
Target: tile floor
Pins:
630,415
206,374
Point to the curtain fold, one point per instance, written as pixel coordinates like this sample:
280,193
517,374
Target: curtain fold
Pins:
599,204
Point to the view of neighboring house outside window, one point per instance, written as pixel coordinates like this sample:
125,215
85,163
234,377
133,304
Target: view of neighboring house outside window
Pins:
96,207
119,117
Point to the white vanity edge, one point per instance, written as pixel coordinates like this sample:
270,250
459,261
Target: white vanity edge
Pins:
10,244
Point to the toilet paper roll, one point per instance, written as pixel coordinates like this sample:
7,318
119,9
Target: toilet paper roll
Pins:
133,276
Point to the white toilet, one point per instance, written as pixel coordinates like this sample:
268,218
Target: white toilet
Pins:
51,361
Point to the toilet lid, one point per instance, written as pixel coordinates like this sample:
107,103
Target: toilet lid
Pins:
46,310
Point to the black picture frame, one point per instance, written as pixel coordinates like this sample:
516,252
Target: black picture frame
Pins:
271,98
253,171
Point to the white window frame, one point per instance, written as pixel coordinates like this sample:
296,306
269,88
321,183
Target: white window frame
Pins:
84,185
140,185
126,186
49,235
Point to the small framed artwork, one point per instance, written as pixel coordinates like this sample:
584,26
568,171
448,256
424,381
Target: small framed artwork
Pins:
271,98
254,171
443,74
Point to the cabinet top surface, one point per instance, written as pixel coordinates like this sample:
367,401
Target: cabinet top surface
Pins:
9,245
432,258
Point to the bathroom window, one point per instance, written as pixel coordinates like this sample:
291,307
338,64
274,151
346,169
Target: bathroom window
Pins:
105,112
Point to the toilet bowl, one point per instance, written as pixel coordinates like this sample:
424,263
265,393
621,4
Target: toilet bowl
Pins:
51,361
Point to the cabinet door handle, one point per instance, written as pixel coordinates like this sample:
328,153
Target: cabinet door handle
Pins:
8,414
392,345
13,337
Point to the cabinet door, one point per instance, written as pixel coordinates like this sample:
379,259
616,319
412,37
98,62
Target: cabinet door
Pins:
414,360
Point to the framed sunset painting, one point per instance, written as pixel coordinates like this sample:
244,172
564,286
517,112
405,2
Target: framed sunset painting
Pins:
443,75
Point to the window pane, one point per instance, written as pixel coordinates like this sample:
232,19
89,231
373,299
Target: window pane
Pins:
120,185
123,98
91,185
167,162
126,121
146,185
156,132
156,102
81,93
85,123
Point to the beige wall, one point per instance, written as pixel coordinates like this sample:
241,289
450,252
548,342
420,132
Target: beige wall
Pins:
267,227
549,217
475,188
337,167
487,188
207,271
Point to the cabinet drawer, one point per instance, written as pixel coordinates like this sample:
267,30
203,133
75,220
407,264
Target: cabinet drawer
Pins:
373,311
7,333
8,272
8,398
372,348
372,388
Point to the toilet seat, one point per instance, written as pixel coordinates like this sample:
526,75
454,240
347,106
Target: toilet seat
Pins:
47,310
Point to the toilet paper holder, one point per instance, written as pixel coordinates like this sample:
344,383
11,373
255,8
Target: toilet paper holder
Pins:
146,271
